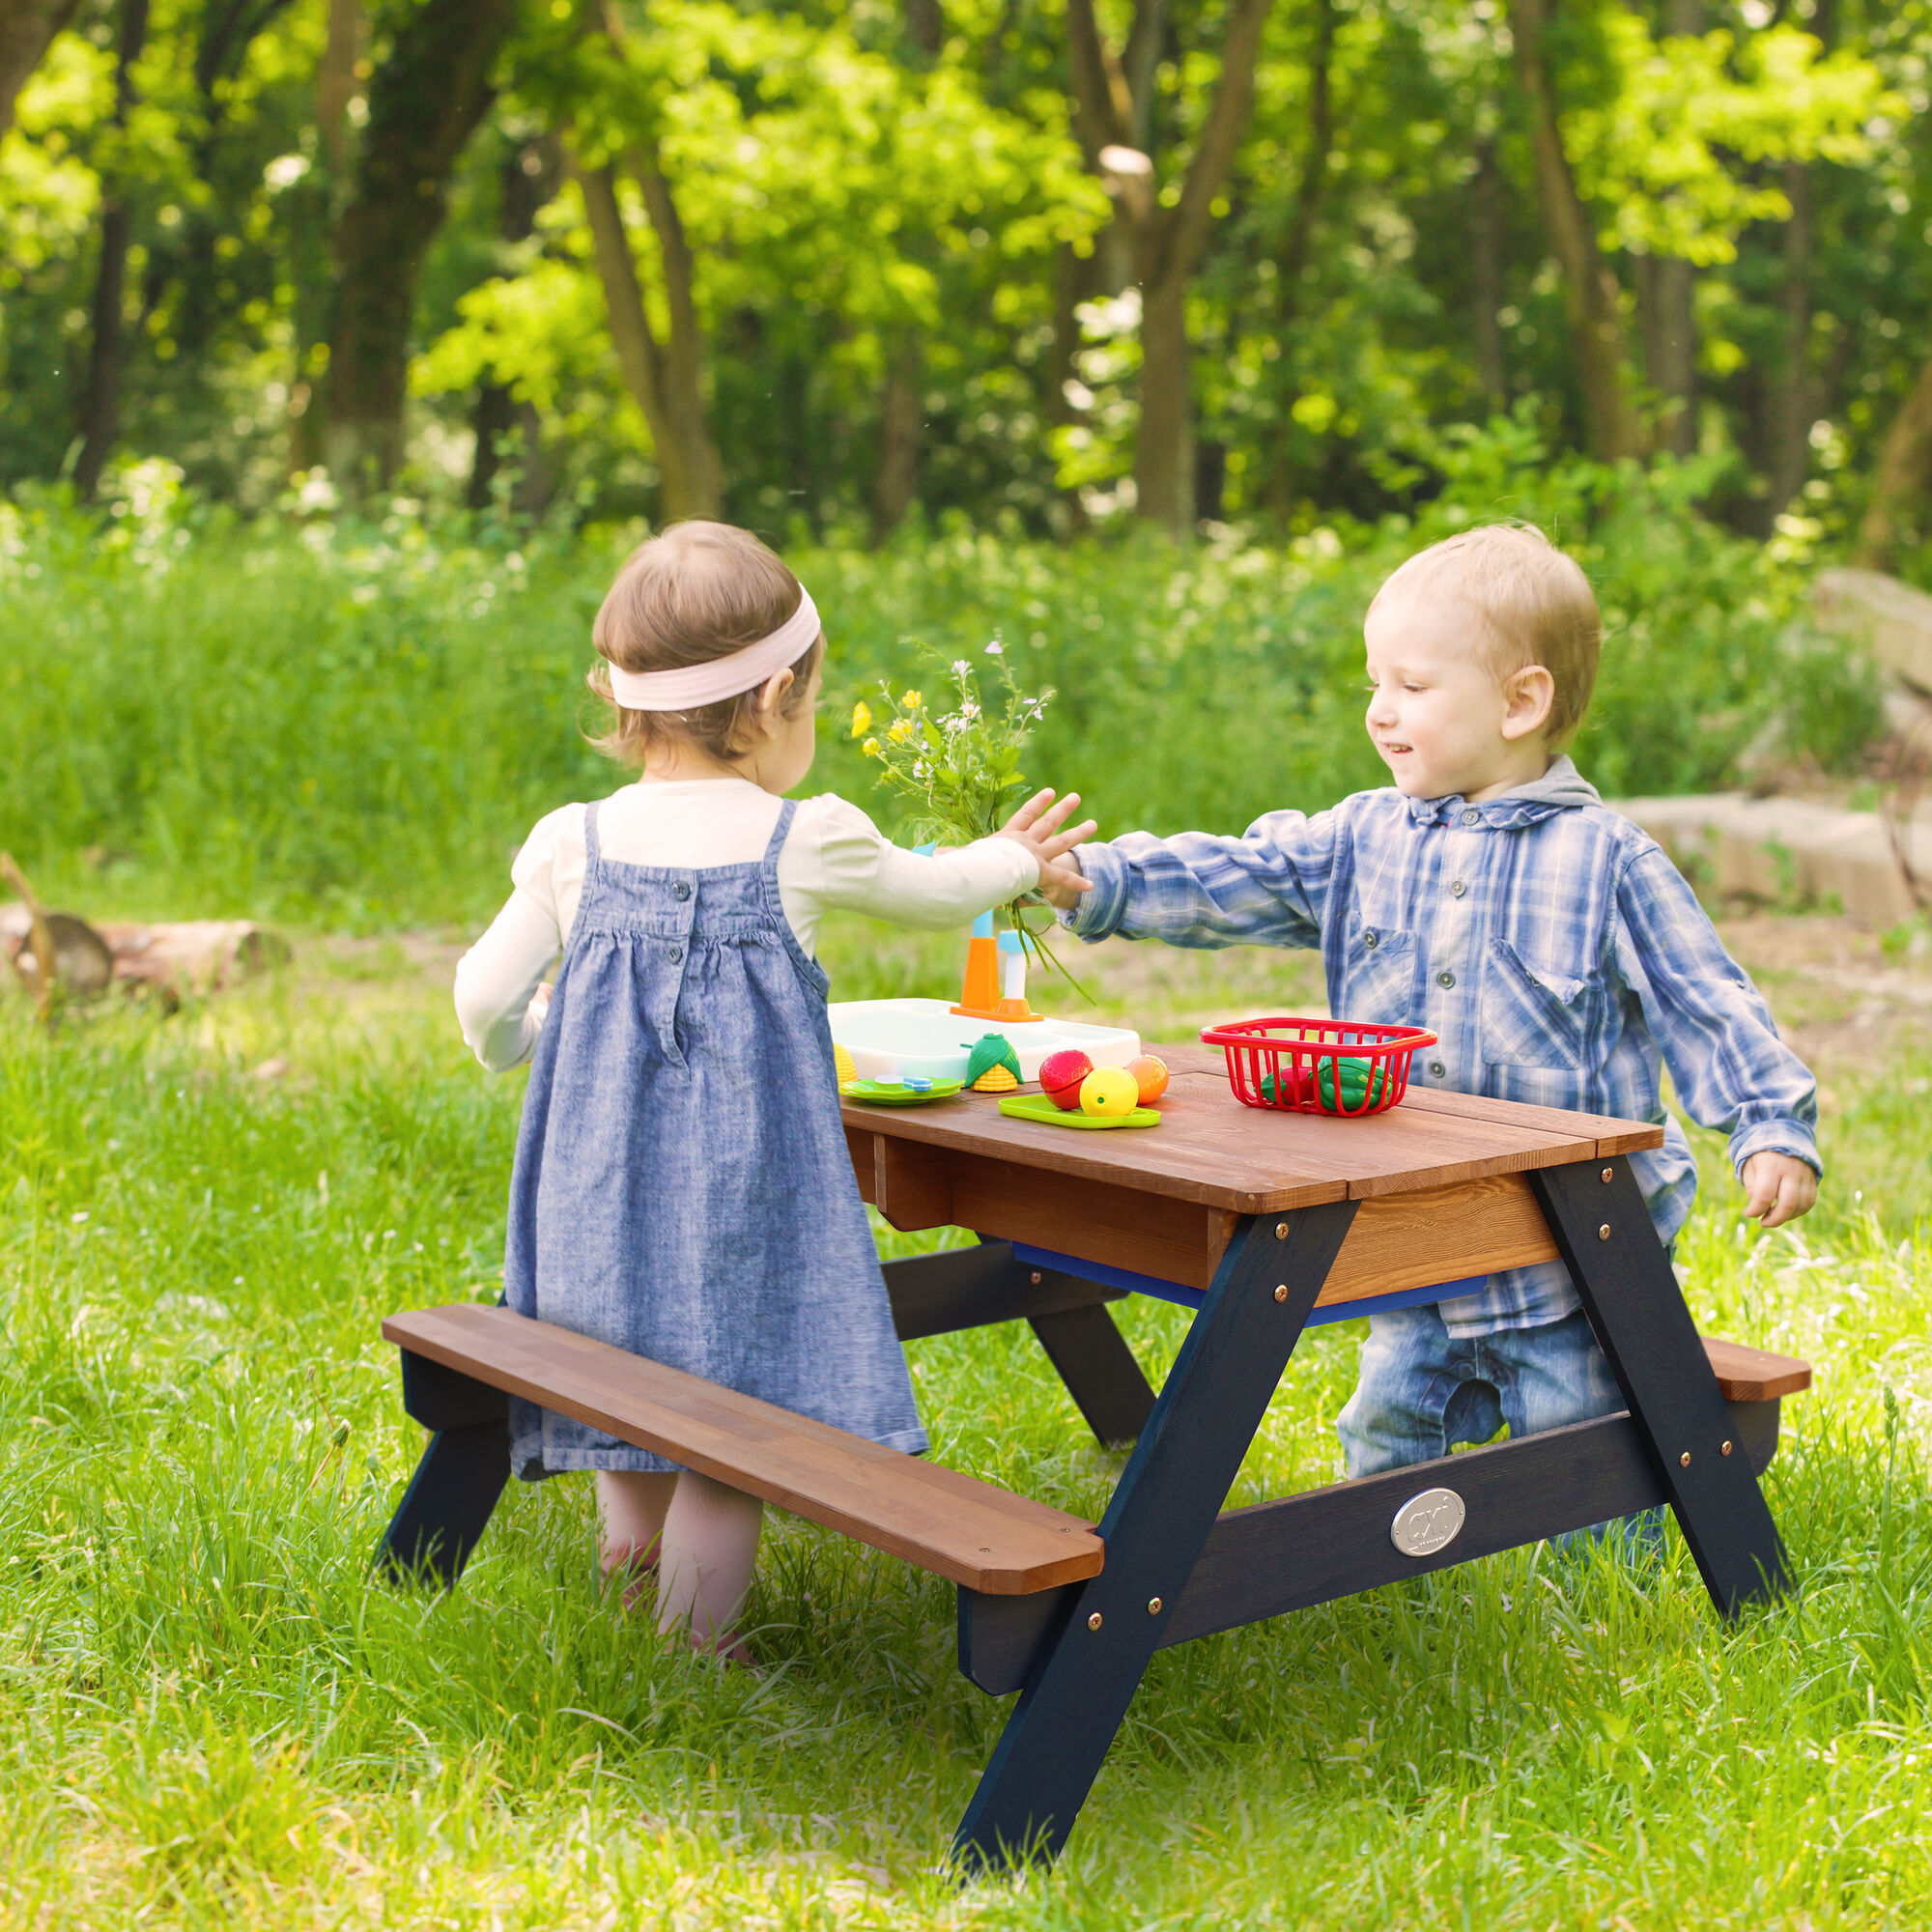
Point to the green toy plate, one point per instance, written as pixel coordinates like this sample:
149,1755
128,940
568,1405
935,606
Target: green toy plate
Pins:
897,1094
1037,1107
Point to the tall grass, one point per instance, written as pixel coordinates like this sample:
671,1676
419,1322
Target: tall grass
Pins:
212,1716
356,724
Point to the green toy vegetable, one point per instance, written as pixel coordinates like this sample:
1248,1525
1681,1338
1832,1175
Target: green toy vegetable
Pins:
994,1049
1351,1076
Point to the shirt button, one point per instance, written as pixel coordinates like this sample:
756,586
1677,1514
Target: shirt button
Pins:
1445,979
674,953
1457,891
1436,1067
1470,816
1369,940
682,891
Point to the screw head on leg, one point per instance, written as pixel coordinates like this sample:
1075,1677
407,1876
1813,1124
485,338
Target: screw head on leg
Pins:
1603,1233
1725,1450
1607,1172
1281,1231
1683,1461
1281,1291
1153,1607
1093,1622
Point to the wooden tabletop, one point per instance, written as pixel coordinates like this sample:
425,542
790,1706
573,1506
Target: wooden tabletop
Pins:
1212,1149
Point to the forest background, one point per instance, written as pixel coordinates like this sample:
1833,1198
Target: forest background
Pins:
359,336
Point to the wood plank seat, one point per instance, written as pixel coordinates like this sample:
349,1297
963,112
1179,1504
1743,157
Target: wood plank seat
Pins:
1754,1375
968,1531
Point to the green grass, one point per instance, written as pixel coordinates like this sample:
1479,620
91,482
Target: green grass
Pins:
210,1714
356,726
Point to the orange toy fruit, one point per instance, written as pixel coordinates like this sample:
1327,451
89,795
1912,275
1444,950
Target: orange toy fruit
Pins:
1149,1076
1108,1092
1060,1074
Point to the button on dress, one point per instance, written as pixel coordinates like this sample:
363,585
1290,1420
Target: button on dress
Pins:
682,1188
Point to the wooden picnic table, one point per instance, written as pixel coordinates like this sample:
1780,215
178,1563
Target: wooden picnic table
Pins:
1260,1221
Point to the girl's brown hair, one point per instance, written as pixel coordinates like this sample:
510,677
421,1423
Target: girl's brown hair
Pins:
693,593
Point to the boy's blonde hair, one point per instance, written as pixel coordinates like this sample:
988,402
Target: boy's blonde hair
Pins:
1534,604
694,593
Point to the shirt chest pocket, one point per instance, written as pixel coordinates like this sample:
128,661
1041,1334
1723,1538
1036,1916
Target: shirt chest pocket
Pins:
1378,974
1532,1016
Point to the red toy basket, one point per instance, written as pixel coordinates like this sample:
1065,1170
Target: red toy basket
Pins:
1298,1058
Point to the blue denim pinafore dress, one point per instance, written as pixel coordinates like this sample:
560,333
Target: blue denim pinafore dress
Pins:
682,1188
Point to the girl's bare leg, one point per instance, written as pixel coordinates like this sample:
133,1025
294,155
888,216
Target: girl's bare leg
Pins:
631,1506
710,1548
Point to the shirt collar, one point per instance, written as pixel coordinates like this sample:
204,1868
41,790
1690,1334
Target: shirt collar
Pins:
1561,789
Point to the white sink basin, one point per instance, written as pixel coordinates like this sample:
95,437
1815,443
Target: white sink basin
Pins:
889,1039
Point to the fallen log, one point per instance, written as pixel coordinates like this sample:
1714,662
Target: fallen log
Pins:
174,958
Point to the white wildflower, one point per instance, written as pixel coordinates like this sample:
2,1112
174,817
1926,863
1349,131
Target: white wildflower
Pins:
996,649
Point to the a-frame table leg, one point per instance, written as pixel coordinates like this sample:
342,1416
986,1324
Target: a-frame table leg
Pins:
1604,1232
1171,1490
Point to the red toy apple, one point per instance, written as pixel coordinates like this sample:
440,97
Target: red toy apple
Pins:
1060,1076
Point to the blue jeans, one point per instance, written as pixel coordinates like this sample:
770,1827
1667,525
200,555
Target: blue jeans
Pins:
1420,1393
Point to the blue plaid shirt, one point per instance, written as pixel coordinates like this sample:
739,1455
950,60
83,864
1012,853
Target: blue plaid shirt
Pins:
1549,944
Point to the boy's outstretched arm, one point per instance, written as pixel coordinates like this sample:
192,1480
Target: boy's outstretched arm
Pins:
1718,1039
1269,887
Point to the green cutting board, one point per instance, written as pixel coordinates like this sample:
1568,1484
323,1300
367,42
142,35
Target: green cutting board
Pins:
1037,1107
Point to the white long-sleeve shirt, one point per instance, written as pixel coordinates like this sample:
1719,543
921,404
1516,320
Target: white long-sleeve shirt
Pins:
834,857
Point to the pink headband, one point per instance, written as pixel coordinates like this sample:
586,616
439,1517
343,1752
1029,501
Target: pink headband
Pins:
694,685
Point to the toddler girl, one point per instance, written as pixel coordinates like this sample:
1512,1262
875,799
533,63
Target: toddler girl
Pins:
682,1188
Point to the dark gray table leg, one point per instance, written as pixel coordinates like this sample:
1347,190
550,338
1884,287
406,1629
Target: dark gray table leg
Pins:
446,1507
464,1467
1167,1502
1623,1276
1092,1357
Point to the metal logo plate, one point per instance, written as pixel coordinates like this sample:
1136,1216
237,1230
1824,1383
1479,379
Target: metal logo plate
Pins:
1428,1522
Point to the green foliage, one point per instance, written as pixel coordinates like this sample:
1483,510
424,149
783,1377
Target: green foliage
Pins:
358,722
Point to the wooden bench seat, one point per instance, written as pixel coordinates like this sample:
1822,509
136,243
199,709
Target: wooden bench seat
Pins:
968,1531
1754,1375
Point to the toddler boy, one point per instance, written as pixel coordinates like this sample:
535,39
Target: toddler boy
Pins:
1550,945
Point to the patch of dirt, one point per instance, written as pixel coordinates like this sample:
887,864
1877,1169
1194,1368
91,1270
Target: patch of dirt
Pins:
1846,998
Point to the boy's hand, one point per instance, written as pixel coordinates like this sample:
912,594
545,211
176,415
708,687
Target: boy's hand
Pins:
1778,1187
1036,825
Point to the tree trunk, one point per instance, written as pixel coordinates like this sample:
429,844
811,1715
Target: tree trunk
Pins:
1792,404
425,102
1591,295
1298,246
1671,354
925,28
1902,492
1164,451
27,29
529,180
664,380
107,345
901,409
1486,272
310,207
1167,242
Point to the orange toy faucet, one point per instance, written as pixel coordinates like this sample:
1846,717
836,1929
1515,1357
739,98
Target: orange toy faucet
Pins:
980,996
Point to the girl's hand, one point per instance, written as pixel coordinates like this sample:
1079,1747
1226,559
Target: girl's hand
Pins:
540,1003
1036,825
1778,1187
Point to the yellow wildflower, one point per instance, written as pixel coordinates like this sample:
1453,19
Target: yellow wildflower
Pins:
871,747
862,716
899,731
912,700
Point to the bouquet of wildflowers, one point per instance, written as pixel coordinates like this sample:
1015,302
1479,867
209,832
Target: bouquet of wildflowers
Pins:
960,767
